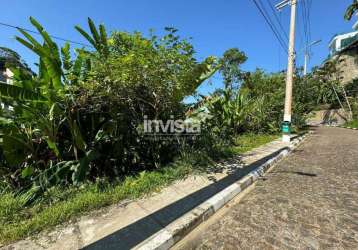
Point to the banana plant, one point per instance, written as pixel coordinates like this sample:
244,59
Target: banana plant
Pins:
230,111
40,103
48,52
98,38
12,92
198,75
75,70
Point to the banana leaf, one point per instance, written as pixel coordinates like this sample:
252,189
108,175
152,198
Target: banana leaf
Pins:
19,93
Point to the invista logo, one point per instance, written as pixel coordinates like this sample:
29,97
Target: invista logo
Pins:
170,127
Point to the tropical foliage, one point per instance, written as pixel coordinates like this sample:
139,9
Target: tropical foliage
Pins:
73,136
10,58
351,10
331,91
81,117
257,105
352,93
231,68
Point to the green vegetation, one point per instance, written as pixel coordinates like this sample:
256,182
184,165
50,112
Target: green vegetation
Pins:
247,142
332,92
352,124
60,204
10,58
75,138
352,93
81,119
351,10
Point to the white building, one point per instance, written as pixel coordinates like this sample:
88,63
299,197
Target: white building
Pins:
340,42
6,76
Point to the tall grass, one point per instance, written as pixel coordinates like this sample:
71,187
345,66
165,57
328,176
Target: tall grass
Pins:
63,204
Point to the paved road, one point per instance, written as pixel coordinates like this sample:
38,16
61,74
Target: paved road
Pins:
308,201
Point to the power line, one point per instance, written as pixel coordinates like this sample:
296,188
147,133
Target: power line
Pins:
306,17
303,38
279,51
272,23
302,42
277,19
38,33
304,21
284,46
309,7
269,18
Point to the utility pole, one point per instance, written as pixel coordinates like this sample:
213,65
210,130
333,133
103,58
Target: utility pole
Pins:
286,126
305,64
307,55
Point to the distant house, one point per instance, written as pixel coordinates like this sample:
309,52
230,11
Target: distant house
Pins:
344,48
342,41
8,57
6,75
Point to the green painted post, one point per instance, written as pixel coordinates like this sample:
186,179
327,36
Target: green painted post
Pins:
286,128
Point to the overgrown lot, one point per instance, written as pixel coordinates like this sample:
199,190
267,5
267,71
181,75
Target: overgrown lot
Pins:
61,204
74,136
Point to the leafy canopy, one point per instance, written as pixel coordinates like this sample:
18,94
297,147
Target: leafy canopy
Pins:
351,10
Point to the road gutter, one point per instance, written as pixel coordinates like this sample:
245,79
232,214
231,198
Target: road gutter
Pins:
177,230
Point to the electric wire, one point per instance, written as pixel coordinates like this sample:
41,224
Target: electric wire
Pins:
277,19
263,7
277,35
38,33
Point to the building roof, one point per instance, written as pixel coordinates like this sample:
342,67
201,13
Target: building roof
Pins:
342,35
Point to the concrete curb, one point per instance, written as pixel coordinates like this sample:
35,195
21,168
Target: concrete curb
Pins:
178,229
336,126
350,128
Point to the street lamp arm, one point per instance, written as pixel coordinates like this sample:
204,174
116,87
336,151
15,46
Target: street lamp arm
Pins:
310,45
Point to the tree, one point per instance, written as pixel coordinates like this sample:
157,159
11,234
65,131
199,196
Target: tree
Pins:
139,77
10,58
351,10
329,76
352,92
230,67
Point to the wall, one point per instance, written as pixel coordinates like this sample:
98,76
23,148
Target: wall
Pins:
348,65
330,116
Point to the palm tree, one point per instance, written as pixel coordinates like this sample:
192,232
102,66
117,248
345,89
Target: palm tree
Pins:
351,10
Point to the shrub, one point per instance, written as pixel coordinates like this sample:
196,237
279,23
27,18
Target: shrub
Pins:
258,105
80,119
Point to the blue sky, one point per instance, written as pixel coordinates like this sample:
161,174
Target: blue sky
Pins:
214,25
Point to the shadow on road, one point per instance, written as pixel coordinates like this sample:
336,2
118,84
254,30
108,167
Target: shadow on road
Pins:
296,172
135,233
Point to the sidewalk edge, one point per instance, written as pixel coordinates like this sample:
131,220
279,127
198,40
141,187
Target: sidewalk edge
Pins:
338,126
177,230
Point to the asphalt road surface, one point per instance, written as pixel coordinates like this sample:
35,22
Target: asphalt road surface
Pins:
308,201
